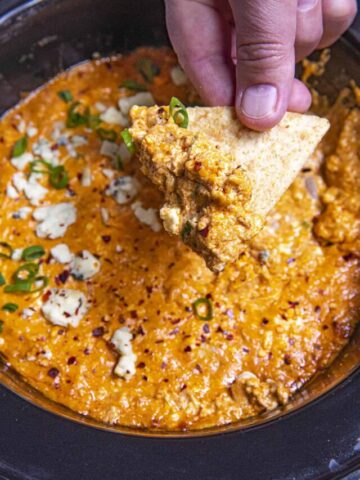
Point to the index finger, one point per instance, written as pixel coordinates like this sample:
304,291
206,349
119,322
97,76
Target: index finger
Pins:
201,37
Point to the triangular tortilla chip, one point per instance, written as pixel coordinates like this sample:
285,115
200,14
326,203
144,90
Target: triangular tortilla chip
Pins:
219,178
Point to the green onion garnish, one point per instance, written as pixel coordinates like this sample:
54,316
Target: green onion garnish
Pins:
1,326
148,69
25,279
126,136
6,250
79,116
2,280
179,113
109,135
74,117
58,177
186,230
25,272
32,253
134,85
203,309
35,166
118,163
19,147
10,307
66,96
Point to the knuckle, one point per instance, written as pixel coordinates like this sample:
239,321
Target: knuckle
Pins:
263,55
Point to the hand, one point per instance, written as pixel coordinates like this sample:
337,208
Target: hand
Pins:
244,51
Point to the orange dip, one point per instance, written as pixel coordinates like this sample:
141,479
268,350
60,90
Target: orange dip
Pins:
269,323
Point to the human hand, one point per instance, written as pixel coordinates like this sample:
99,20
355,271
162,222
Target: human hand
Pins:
244,51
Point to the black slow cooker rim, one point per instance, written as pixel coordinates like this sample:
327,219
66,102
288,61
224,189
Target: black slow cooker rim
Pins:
34,444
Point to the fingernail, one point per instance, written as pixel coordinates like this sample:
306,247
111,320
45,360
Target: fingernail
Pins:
305,5
259,101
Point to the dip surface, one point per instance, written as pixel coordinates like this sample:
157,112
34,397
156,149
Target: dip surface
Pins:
207,349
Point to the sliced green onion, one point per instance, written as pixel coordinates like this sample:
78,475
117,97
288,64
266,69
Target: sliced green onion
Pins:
58,177
134,85
19,147
118,163
148,69
6,250
109,135
74,117
32,253
186,230
2,280
19,287
35,163
29,269
126,136
203,304
1,326
179,113
66,96
92,121
10,307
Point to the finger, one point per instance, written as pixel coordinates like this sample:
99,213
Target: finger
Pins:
265,59
300,97
201,38
338,15
309,28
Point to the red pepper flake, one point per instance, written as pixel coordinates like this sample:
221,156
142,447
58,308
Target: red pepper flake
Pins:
317,309
287,359
149,290
325,327
197,166
183,387
141,365
265,321
187,349
133,314
46,296
106,238
71,361
245,350
98,332
293,304
145,378
348,257
206,328
53,372
198,368
87,351
205,231
62,277
61,331
229,336
163,365
175,331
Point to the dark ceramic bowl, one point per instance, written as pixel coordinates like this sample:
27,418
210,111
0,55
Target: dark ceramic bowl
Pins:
315,437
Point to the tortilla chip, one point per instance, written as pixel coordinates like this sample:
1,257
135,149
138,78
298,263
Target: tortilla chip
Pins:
219,178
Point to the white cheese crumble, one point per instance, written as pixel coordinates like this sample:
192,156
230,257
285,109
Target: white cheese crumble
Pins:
54,220
108,172
84,266
114,117
109,149
121,339
123,189
178,76
118,249
105,216
17,254
33,191
31,131
148,216
65,307
22,213
100,107
79,140
21,162
124,153
86,177
11,192
61,253
28,312
144,99
42,148
171,217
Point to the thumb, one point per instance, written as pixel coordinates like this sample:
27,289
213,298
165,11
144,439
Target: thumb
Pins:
265,38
